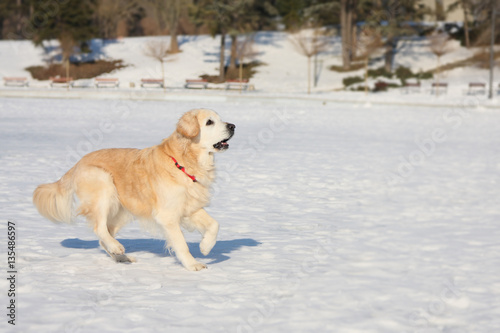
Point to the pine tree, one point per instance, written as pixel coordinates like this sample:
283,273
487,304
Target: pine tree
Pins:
292,12
14,16
70,22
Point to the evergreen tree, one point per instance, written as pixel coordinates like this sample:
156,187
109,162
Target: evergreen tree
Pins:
292,12
14,14
70,22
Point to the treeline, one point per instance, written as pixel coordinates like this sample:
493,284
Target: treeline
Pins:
73,22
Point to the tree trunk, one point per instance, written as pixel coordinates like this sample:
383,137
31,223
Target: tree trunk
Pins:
232,62
20,18
174,44
67,72
349,30
366,73
389,54
344,27
163,75
308,75
466,25
240,74
222,56
437,76
354,41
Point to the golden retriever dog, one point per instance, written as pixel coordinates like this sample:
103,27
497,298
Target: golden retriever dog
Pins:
168,184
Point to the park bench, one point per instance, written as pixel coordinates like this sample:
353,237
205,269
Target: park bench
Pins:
158,83
16,81
196,84
238,84
476,88
436,87
64,82
411,87
106,82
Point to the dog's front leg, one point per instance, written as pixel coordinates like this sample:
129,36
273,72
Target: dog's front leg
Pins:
208,227
177,242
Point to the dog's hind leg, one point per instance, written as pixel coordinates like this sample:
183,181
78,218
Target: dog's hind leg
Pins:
208,228
98,203
115,223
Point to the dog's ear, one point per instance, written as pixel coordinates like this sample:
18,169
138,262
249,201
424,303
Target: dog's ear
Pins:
188,125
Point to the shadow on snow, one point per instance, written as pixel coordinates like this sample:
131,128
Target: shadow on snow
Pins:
218,254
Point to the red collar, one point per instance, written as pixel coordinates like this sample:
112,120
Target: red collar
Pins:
180,167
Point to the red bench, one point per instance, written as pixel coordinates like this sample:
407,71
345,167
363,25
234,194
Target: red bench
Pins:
16,81
238,84
196,83
60,81
412,87
106,82
477,88
152,82
437,87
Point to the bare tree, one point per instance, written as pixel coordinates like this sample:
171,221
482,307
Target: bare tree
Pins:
369,41
67,44
439,46
245,50
110,12
169,13
309,43
159,50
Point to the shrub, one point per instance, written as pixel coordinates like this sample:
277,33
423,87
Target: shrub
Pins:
383,86
83,70
425,75
359,88
350,80
380,86
355,65
404,73
379,72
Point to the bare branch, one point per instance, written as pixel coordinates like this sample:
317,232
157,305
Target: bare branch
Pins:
157,49
439,44
309,42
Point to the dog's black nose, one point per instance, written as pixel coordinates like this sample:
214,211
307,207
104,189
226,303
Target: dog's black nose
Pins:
231,127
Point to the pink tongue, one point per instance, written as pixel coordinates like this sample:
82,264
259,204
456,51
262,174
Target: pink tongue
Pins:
224,143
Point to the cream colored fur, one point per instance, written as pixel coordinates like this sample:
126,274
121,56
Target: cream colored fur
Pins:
114,186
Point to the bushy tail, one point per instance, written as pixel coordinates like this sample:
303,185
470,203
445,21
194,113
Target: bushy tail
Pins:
55,200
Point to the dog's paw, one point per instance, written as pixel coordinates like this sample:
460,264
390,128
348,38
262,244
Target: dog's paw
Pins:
116,249
123,259
206,245
197,266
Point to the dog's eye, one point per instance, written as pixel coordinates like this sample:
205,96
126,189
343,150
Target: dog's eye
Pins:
209,122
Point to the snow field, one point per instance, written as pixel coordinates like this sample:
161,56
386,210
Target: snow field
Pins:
336,217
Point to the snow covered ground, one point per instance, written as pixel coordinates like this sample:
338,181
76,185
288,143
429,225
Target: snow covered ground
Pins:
336,218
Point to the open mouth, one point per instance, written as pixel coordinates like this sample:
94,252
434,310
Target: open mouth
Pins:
222,145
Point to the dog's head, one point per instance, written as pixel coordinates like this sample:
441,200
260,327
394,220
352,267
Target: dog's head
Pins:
206,128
